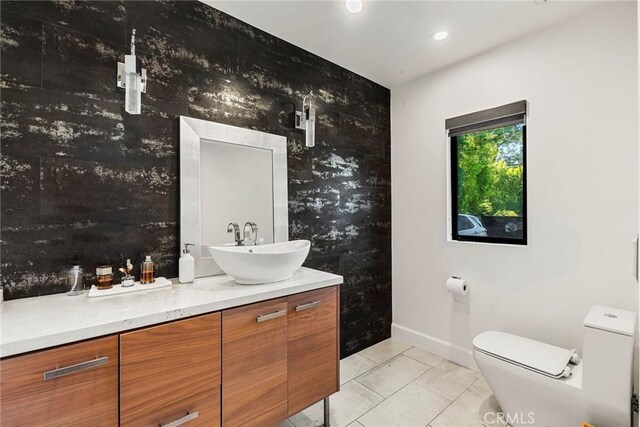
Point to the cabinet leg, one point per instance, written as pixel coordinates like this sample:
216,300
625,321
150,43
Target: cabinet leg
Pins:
327,413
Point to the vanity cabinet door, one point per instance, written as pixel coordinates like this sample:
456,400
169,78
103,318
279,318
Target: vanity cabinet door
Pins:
312,347
171,373
254,364
199,410
72,385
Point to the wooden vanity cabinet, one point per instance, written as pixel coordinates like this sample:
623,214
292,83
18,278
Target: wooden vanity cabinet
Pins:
171,373
312,347
72,385
254,364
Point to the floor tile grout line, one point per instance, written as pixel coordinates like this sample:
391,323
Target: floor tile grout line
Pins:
372,368
443,409
454,400
431,366
438,394
402,354
364,372
405,386
417,361
445,397
358,417
481,388
473,383
395,392
368,358
380,363
450,403
378,394
463,391
359,375
385,361
377,404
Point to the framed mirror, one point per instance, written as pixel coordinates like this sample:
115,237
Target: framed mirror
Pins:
229,175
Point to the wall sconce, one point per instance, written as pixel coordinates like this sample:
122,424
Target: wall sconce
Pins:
306,120
134,84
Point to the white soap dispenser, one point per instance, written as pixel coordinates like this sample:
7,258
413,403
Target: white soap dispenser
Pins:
186,265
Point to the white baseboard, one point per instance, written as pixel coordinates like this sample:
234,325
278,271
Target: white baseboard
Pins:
434,345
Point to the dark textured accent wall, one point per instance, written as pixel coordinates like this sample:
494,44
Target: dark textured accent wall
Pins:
79,175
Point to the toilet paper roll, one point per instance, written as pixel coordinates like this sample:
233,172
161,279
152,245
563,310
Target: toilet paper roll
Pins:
457,286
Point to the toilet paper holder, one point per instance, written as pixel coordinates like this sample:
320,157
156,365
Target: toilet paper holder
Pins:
457,286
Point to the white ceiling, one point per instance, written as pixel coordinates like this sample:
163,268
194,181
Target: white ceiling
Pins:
389,41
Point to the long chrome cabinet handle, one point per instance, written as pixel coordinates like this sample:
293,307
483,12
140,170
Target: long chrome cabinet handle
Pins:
274,315
189,417
307,306
60,372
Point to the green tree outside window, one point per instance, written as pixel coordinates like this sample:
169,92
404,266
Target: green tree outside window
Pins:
490,172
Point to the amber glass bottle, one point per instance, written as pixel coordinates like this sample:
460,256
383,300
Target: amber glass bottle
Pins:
146,271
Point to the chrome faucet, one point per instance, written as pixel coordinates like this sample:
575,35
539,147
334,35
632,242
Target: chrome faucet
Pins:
235,228
254,231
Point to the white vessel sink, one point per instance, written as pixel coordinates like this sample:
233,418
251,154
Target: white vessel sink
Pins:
252,265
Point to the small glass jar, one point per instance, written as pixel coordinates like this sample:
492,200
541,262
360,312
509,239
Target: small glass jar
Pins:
128,281
105,277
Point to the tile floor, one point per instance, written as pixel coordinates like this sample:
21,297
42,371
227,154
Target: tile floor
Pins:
392,384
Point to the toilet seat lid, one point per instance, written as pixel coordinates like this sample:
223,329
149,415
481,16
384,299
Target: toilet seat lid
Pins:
535,355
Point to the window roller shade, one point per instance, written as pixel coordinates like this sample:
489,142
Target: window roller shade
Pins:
505,115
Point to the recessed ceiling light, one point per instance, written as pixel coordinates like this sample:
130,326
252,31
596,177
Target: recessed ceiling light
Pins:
440,35
354,6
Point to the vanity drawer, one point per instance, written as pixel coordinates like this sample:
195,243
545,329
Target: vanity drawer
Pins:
200,410
76,384
254,364
312,347
168,363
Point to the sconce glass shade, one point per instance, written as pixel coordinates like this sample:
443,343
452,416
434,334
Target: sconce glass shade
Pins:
133,86
310,127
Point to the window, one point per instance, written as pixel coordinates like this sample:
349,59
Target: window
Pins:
488,175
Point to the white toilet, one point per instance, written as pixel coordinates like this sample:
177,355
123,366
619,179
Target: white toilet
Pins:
543,385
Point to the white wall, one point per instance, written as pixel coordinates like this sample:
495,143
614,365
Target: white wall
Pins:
580,79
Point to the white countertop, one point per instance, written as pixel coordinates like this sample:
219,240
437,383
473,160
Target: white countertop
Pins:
35,323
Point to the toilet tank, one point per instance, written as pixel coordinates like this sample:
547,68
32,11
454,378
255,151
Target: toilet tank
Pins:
607,356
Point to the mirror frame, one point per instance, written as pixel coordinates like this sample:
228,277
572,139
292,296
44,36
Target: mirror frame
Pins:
192,132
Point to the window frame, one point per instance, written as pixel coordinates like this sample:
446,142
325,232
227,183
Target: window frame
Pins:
453,194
